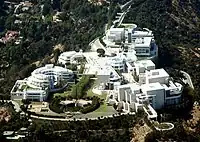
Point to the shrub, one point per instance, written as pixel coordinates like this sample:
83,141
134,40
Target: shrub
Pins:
56,106
95,104
78,90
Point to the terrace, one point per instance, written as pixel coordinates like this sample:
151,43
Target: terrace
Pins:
25,87
163,126
150,111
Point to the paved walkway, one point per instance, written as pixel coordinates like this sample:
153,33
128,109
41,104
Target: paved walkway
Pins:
188,79
80,119
129,3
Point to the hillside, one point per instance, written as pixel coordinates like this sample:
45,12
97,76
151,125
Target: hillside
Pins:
176,25
79,23
171,20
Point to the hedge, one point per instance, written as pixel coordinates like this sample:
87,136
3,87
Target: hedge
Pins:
78,90
95,104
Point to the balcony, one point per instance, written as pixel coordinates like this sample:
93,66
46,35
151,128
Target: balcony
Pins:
175,90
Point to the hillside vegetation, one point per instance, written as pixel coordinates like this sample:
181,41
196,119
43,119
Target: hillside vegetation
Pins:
81,23
176,26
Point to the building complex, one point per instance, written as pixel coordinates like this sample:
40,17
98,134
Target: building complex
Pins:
131,83
130,36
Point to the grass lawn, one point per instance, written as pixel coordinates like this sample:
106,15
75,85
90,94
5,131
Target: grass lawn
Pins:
19,102
102,108
23,87
162,125
26,87
30,88
126,25
90,93
62,94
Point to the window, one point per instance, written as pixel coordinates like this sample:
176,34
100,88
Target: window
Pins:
168,93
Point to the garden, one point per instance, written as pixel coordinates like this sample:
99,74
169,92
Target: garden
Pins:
78,98
163,126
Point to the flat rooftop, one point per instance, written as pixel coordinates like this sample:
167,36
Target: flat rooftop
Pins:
151,86
143,41
116,29
67,54
129,26
99,65
142,33
144,63
157,73
132,86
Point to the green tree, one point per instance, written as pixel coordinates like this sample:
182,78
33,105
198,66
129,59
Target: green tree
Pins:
101,52
1,3
46,8
10,23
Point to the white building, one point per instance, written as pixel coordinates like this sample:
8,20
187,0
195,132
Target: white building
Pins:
116,34
143,65
108,76
144,46
22,91
141,40
117,63
157,95
104,68
153,76
108,66
155,90
41,81
70,57
132,34
48,76
65,57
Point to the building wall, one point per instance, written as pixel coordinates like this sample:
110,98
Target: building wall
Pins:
142,51
17,96
132,107
127,96
121,94
161,80
159,99
141,69
132,97
142,79
172,101
115,35
150,67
